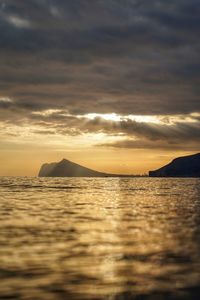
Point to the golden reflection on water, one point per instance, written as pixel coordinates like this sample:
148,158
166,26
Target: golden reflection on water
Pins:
107,238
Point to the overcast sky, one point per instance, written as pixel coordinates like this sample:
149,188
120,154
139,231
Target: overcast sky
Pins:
116,78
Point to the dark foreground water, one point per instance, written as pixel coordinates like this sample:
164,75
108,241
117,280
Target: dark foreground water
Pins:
107,238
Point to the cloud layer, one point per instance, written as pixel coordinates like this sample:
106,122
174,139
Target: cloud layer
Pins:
100,56
127,57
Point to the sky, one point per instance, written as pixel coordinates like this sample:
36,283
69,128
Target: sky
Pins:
113,85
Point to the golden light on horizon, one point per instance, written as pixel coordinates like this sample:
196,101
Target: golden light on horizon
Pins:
110,143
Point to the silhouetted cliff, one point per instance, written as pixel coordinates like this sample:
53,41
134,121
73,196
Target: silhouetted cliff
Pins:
186,166
66,168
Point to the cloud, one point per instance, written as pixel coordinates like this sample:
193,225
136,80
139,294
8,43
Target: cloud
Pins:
144,57
18,22
110,56
162,131
156,145
177,132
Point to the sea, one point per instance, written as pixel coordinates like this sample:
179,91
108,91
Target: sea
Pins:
99,238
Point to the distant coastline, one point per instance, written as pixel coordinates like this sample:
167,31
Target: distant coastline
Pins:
186,166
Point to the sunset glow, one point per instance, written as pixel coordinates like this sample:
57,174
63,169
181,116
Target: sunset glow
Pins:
118,80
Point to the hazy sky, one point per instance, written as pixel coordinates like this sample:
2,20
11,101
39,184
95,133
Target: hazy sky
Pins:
110,84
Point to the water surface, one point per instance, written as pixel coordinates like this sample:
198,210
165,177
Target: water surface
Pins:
99,238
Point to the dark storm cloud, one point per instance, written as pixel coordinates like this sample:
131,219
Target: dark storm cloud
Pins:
123,56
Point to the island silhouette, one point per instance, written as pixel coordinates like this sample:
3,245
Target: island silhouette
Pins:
67,168
186,166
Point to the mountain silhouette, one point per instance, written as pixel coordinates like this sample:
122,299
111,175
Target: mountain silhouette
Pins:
66,168
186,166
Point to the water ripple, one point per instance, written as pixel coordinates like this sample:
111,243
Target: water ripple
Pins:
99,238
